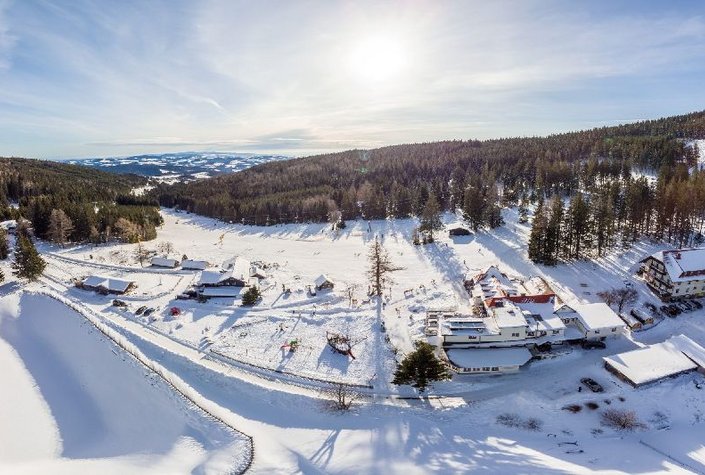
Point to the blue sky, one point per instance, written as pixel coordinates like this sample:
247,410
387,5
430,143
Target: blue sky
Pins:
92,78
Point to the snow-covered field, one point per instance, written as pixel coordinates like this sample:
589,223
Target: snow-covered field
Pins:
75,403
455,432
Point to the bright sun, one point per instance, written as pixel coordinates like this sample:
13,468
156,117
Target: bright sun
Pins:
377,58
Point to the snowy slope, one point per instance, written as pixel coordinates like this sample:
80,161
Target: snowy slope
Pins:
84,406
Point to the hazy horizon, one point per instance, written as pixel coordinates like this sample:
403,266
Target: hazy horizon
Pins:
100,79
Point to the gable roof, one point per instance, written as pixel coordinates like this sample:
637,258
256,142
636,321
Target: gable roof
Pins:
213,277
109,283
595,315
322,279
683,264
651,363
193,264
164,262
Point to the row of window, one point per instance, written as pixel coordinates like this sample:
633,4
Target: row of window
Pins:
484,369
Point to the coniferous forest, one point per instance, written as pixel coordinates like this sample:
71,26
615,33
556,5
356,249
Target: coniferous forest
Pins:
71,203
590,189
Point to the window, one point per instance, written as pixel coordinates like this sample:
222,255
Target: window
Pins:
614,330
556,332
495,368
515,335
486,368
597,332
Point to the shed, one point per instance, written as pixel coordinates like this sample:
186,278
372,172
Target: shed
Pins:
323,282
190,264
459,231
649,364
258,272
165,262
106,285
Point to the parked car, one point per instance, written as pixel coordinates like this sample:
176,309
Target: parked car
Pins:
590,344
697,304
148,312
682,307
119,303
141,310
593,385
666,310
675,309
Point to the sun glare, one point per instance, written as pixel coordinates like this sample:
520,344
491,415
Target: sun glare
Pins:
377,58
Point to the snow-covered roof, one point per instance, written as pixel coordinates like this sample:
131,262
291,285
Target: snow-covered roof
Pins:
257,272
321,280
109,283
164,262
9,224
652,363
489,357
221,291
683,265
688,347
508,316
595,316
192,264
239,266
493,283
213,277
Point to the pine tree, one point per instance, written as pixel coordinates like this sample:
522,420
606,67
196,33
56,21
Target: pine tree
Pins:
553,232
420,367
431,216
4,247
537,237
28,263
251,296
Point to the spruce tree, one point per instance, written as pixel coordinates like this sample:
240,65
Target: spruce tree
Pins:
431,216
537,237
28,263
420,367
251,296
4,247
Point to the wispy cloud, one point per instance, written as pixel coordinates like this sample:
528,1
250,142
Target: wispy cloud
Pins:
87,77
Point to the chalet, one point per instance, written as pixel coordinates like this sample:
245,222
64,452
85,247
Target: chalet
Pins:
323,282
106,285
676,274
190,264
239,267
220,279
677,355
164,262
257,272
491,283
593,320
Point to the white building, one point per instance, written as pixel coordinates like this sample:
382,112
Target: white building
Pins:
495,360
593,320
676,274
510,321
323,282
164,262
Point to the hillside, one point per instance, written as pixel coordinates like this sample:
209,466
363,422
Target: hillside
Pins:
88,203
396,181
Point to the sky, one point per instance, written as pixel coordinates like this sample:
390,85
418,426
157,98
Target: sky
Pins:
83,78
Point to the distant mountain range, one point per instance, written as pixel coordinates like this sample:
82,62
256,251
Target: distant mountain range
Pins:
181,166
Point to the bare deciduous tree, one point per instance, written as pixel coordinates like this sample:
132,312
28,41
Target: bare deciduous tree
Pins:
60,227
619,297
621,420
380,267
341,397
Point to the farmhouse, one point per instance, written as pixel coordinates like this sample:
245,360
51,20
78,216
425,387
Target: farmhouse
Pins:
165,262
220,279
239,267
190,264
593,320
676,274
496,360
677,355
106,285
323,282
